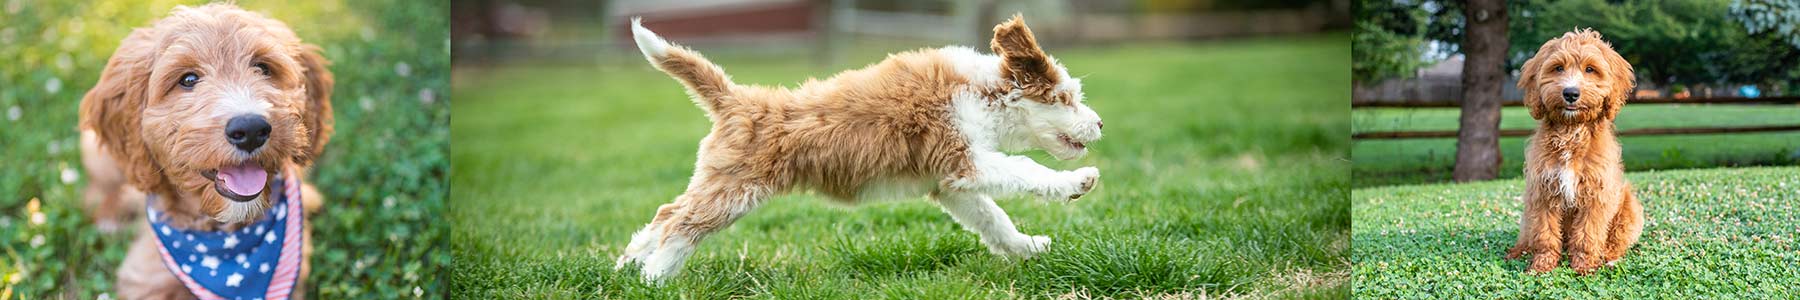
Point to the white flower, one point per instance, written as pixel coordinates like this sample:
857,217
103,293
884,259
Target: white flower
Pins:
403,69
69,176
426,96
53,85
37,218
13,113
418,292
37,241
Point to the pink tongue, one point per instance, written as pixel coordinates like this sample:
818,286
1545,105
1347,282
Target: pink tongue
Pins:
244,179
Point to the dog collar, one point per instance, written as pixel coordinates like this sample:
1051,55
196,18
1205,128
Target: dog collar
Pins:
259,261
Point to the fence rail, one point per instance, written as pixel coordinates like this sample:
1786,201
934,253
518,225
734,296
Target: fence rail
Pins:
1369,103
1433,134
1390,135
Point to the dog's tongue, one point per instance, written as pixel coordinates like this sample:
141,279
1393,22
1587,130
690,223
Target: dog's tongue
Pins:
245,179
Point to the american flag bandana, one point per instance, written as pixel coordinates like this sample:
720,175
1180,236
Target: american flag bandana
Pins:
260,261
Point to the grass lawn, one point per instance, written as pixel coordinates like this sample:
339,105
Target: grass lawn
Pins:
1388,162
1725,233
384,174
1222,177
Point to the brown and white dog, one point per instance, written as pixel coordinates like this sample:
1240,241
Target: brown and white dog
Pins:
1576,197
922,123
202,110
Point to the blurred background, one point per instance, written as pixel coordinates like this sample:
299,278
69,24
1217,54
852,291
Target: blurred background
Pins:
509,32
1717,86
1224,158
383,175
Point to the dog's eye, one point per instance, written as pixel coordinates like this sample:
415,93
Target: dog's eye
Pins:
1590,69
262,68
188,81
1559,69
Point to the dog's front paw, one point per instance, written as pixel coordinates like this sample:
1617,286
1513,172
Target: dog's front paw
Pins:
1074,184
1022,247
1544,262
1584,264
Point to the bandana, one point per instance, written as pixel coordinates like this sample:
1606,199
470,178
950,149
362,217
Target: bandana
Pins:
260,261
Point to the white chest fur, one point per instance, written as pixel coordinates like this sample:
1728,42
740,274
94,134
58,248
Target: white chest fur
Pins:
1567,181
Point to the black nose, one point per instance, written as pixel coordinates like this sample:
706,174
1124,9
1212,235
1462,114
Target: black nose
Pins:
1571,94
247,132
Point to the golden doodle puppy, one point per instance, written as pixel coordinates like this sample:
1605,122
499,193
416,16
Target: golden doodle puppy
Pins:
930,122
213,113
1576,198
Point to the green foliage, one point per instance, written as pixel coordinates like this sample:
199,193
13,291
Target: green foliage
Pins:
1765,16
1710,234
1390,37
1668,42
383,175
1387,162
1221,177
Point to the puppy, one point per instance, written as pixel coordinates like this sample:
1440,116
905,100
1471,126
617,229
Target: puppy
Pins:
922,123
214,113
1576,197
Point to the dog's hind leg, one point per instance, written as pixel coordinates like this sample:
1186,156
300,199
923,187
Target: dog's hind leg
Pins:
705,208
978,213
645,240
1626,228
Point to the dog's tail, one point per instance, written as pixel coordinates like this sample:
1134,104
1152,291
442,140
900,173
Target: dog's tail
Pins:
705,81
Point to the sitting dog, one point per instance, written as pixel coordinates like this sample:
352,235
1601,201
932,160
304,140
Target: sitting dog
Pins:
921,123
1576,197
214,113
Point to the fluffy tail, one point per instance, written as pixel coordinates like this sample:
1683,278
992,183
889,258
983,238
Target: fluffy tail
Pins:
705,81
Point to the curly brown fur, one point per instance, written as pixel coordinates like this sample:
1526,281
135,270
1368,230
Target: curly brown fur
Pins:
142,131
1576,198
920,123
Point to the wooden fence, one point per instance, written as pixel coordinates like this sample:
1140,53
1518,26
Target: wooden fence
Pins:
1384,135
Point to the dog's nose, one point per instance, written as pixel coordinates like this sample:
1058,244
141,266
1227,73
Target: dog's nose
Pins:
247,132
1100,125
1571,94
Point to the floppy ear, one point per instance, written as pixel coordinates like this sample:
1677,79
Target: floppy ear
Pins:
1022,61
317,117
1623,82
1528,84
114,108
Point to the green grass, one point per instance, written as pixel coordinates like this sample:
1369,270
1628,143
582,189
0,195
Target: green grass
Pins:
1727,233
1388,162
1222,176
383,175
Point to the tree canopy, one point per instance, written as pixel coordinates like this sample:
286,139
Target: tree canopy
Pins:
1668,42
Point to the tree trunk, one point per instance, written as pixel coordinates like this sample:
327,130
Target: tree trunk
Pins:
1484,71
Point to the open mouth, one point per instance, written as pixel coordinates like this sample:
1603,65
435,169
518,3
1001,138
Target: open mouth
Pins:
1070,141
243,182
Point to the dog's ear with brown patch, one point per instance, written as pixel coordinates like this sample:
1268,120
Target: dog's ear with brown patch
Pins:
114,109
318,116
1623,82
1022,61
1528,77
